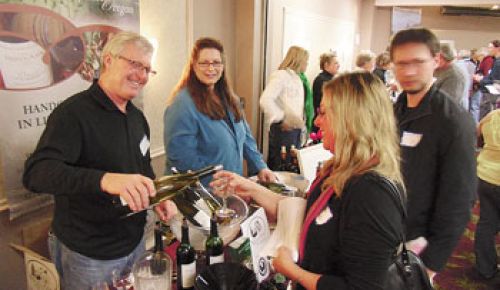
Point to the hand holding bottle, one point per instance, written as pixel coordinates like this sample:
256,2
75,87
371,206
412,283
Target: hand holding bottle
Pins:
135,189
266,175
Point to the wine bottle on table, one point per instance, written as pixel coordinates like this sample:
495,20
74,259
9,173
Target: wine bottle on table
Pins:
284,166
186,261
294,167
214,246
159,261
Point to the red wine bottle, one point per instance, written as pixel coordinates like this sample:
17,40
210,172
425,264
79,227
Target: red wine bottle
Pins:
186,261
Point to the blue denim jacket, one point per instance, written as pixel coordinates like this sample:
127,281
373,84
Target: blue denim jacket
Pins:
193,140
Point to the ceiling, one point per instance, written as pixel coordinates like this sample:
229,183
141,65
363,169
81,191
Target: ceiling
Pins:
469,3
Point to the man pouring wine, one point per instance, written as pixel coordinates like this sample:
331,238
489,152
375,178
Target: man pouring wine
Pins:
94,151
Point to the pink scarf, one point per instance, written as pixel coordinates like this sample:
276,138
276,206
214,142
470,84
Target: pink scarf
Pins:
313,212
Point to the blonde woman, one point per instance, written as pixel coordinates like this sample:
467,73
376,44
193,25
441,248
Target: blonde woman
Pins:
283,103
353,225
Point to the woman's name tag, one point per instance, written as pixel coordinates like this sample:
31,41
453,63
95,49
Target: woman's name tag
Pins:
324,216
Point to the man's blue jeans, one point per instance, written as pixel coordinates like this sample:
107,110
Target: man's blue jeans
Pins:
78,272
475,105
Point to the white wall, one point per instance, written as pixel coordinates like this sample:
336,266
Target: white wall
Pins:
166,22
345,11
249,27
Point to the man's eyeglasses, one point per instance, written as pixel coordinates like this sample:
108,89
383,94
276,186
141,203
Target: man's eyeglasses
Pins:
418,63
137,65
206,65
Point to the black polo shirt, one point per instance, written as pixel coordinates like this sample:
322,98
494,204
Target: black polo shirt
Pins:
86,136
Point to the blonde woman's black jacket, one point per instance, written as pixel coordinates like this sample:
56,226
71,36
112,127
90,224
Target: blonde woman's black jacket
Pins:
439,168
354,239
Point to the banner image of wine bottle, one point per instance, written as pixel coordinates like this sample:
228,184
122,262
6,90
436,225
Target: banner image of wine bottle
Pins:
186,261
214,246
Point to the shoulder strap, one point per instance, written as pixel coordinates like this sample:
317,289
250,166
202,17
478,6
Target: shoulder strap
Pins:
396,194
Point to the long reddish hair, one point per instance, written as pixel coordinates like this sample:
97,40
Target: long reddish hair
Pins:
207,102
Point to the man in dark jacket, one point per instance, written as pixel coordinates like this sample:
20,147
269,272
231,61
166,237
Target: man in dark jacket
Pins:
438,152
489,100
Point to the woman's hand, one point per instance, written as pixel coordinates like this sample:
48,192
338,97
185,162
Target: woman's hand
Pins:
266,175
166,210
237,184
248,190
283,262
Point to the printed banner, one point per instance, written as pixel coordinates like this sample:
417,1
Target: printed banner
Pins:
49,50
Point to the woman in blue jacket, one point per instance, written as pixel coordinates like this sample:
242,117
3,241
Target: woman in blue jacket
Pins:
204,123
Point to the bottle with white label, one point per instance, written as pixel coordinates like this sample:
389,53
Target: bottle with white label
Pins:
186,261
214,246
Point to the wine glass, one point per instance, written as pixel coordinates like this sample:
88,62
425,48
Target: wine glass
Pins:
224,190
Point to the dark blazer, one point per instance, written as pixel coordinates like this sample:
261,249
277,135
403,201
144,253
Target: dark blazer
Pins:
353,241
439,171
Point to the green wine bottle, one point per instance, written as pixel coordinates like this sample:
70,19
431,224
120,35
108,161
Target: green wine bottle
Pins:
186,261
214,246
159,262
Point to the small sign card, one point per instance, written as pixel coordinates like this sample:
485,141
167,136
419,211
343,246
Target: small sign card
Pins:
256,229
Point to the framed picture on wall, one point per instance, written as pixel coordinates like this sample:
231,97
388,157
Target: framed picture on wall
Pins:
403,18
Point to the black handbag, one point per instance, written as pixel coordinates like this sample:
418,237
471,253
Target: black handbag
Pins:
407,271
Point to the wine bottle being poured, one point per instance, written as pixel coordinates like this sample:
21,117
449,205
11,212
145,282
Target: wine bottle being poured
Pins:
170,186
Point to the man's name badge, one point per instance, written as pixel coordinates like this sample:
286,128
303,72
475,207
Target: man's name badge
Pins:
144,145
410,139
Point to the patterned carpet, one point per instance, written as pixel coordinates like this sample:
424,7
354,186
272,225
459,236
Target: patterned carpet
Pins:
460,272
